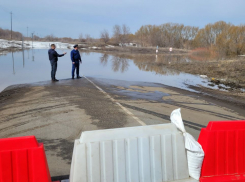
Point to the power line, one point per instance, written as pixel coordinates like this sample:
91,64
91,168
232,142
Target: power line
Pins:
12,16
4,9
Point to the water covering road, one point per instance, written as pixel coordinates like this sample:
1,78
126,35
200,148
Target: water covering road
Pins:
33,66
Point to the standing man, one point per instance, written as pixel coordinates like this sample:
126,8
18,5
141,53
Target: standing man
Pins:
75,58
53,57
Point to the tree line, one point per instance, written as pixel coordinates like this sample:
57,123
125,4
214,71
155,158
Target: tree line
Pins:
5,34
221,37
224,38
167,35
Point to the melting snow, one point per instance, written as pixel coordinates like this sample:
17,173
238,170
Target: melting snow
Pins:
36,44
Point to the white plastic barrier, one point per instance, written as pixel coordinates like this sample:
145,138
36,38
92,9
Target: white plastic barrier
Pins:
154,153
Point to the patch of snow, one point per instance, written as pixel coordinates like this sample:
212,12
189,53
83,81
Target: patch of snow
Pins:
109,46
36,45
94,47
203,76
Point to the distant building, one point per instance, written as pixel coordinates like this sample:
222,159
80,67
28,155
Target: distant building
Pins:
129,45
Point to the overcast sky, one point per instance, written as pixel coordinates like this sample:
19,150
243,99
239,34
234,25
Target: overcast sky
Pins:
66,18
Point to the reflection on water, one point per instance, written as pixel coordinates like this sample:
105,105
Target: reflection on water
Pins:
151,63
104,59
13,62
87,53
33,52
29,66
118,63
23,55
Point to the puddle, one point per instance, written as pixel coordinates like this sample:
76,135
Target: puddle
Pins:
33,66
137,94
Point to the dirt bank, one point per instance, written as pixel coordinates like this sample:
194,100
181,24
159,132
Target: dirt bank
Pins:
230,73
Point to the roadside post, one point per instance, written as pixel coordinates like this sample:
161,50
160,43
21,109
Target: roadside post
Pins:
157,50
170,52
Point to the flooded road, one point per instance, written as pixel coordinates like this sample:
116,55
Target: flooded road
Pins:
57,113
33,66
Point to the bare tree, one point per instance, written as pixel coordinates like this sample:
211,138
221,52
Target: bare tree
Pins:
125,34
80,37
104,35
117,32
50,37
88,38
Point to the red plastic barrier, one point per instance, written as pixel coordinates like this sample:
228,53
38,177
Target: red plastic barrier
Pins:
224,145
22,159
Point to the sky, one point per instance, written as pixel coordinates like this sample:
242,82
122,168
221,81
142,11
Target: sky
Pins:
64,18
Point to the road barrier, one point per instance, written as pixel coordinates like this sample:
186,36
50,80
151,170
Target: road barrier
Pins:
23,159
145,153
224,147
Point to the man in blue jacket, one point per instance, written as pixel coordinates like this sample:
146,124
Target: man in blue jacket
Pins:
75,58
53,57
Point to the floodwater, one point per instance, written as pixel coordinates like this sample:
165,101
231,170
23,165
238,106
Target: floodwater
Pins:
33,66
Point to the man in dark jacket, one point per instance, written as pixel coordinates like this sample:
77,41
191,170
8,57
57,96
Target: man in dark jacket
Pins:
75,58
53,57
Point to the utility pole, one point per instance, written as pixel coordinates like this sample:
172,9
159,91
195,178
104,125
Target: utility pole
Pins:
27,32
11,24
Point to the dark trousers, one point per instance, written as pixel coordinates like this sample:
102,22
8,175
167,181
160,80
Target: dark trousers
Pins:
53,69
75,67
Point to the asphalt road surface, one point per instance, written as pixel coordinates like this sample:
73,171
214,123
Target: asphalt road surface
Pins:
57,113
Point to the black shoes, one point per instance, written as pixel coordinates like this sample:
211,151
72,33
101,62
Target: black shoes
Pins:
55,80
79,77
72,78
